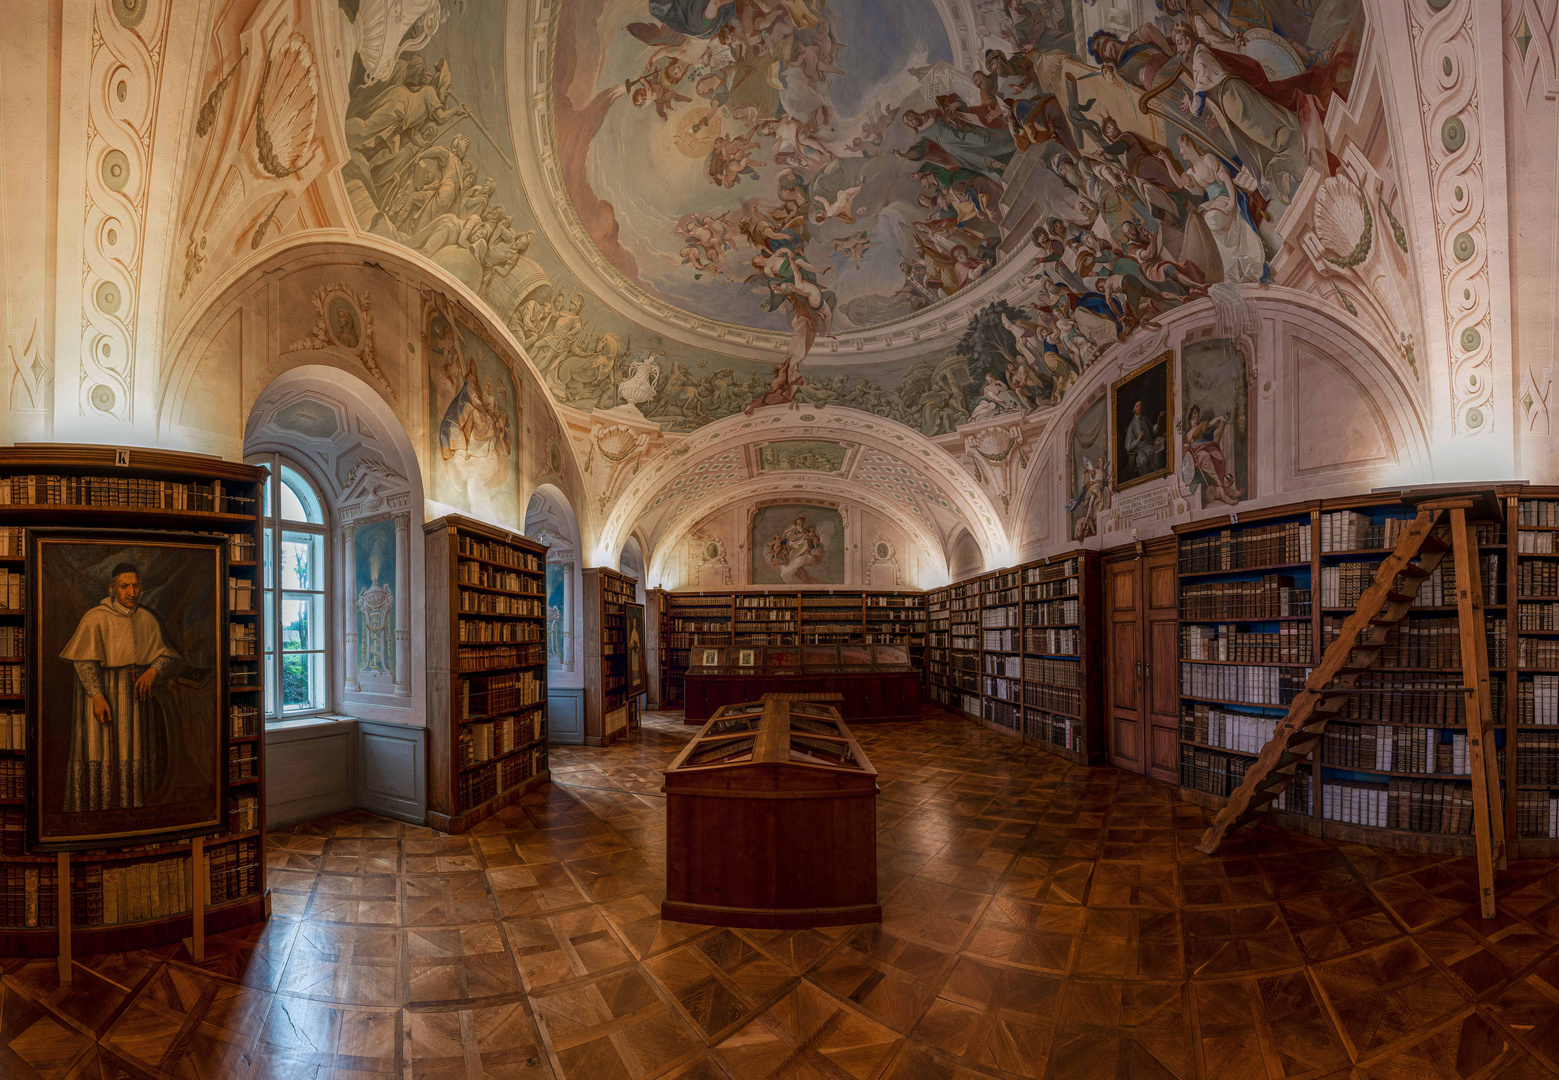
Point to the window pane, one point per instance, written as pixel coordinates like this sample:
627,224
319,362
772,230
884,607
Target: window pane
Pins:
302,561
269,540
298,501
265,492
270,621
302,682
302,622
270,683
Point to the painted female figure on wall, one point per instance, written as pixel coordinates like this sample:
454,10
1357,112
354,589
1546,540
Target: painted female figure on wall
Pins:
1206,457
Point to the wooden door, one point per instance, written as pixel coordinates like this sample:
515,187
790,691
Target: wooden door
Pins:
1126,704
1161,663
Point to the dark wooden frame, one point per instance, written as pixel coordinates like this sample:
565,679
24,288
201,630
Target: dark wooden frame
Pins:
217,547
1166,358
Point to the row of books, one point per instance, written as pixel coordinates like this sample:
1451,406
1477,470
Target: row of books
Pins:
1537,757
1005,640
997,582
1212,726
1219,774
894,615
483,631
767,616
1053,698
121,491
1002,713
242,720
243,814
13,542
1398,699
240,594
1537,578
1537,653
1055,613
1001,616
993,686
1344,584
240,547
242,640
502,554
700,626
480,603
1052,641
1347,530
1050,590
13,778
30,895
1535,543
1537,617
1050,571
1426,642
1429,806
487,782
489,577
1053,728
1537,700
242,761
13,590
969,641
232,871
1009,666
13,679
485,659
1537,814
1278,544
1396,749
1289,644
145,890
1054,672
13,730
1544,512
484,740
1253,685
12,641
493,694
1272,596
909,603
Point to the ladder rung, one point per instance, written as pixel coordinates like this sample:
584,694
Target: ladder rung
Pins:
1413,570
1395,597
1434,545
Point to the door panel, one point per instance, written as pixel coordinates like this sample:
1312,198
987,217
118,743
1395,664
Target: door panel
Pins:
1124,652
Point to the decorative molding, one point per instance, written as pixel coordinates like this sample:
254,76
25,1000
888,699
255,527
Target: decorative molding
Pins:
343,322
996,456
884,553
708,551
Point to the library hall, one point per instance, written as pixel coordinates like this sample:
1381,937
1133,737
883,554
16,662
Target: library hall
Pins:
779,540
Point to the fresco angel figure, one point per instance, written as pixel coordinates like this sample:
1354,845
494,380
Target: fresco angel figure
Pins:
1206,449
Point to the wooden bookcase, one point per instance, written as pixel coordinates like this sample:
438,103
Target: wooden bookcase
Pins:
1390,770
132,897
938,652
487,670
758,618
606,654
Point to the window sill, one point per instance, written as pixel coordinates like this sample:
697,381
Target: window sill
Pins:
304,723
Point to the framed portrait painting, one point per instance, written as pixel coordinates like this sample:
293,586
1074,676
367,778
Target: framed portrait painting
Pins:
127,712
633,618
1141,408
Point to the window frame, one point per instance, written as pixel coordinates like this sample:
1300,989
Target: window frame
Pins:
274,529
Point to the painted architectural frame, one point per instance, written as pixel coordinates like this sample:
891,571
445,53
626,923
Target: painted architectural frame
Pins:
1142,422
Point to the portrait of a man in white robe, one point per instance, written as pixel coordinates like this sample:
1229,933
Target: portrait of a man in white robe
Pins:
129,700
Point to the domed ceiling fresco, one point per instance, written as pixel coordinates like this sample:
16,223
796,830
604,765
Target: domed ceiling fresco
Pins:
926,210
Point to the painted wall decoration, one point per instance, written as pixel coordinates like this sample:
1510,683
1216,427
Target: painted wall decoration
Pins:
128,710
797,544
821,167
814,455
1089,471
1214,426
374,599
473,413
1142,407
559,636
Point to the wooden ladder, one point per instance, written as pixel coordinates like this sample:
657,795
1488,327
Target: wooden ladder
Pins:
1382,607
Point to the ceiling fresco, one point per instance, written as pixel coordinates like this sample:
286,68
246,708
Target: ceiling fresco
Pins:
810,169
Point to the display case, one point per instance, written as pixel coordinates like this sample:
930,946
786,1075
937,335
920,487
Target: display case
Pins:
486,670
771,821
879,682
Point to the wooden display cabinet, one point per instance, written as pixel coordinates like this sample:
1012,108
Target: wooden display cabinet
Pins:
771,821
487,670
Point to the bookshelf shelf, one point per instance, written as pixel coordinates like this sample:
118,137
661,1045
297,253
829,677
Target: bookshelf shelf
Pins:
607,710
85,487
486,698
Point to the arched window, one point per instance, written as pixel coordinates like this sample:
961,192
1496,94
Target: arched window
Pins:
297,621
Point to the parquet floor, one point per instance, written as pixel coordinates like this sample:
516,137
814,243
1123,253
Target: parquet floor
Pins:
1040,920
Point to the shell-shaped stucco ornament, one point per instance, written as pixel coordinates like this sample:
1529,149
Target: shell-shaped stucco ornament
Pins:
616,443
994,444
286,109
1343,222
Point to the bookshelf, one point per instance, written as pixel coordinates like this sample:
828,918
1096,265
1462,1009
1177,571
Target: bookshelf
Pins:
939,656
963,610
757,619
487,670
132,896
606,654
1261,600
